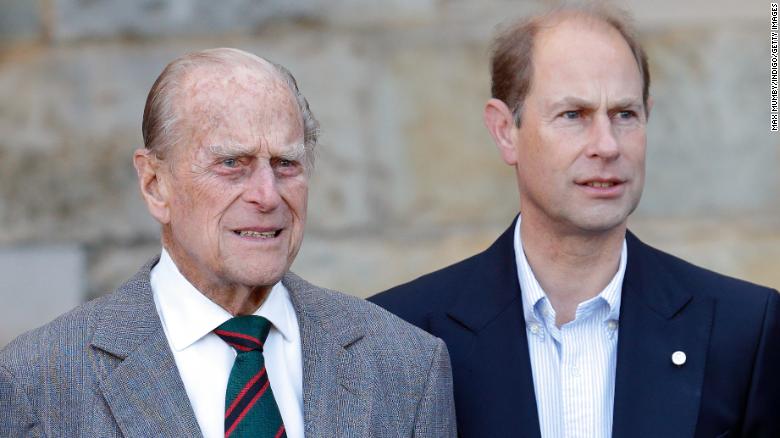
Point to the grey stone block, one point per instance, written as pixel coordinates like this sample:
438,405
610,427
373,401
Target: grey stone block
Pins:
709,146
440,165
695,13
37,284
71,120
77,19
19,20
746,247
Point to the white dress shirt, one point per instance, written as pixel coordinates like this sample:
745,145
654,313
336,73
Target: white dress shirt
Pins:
573,366
204,360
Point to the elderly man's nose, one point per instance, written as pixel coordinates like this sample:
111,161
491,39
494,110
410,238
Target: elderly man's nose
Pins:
262,189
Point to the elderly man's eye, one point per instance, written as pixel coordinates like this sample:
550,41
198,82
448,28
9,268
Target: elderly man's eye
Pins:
285,162
626,115
230,162
287,167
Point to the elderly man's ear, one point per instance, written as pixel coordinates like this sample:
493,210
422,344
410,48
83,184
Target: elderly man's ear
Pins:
500,122
152,184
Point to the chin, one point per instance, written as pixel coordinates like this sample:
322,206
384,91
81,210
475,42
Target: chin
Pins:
601,222
602,218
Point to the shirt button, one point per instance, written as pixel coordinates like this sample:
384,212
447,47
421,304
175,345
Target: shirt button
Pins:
535,329
575,371
612,324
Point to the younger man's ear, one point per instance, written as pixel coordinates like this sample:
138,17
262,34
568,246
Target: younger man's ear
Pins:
500,122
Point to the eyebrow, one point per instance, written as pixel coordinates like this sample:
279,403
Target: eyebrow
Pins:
229,150
295,152
577,102
627,102
571,101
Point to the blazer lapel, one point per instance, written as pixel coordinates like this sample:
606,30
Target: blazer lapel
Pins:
653,396
486,335
336,388
136,370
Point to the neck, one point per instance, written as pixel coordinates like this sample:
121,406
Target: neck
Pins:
571,267
237,300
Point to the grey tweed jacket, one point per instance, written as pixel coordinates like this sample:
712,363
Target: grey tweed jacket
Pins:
105,370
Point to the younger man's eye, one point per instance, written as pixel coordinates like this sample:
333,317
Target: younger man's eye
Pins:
571,115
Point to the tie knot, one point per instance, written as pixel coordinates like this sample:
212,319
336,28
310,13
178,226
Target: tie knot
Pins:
244,333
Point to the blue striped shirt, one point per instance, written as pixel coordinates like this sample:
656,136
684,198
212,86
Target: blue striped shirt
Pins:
573,365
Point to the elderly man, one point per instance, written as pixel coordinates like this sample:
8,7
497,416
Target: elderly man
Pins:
216,337
568,325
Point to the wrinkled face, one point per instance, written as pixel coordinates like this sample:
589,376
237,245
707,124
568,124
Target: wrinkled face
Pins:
581,143
238,186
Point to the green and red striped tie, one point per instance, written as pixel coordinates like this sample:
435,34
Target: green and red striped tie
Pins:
250,408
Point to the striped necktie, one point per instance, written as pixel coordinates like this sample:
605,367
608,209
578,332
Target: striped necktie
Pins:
250,408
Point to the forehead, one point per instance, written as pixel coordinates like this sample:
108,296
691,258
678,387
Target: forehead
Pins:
257,79
239,104
581,54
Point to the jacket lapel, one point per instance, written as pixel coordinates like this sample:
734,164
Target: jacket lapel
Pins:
653,396
136,370
486,336
336,387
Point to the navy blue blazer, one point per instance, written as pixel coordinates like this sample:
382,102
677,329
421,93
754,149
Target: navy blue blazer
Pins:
729,330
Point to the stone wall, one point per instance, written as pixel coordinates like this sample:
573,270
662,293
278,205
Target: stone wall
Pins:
407,178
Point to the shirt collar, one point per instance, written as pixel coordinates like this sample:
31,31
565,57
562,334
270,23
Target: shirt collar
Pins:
532,292
187,315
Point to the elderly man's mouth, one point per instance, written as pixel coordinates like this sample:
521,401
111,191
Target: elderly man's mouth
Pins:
258,234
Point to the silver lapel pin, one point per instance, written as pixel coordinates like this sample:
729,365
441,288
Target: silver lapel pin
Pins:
679,358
